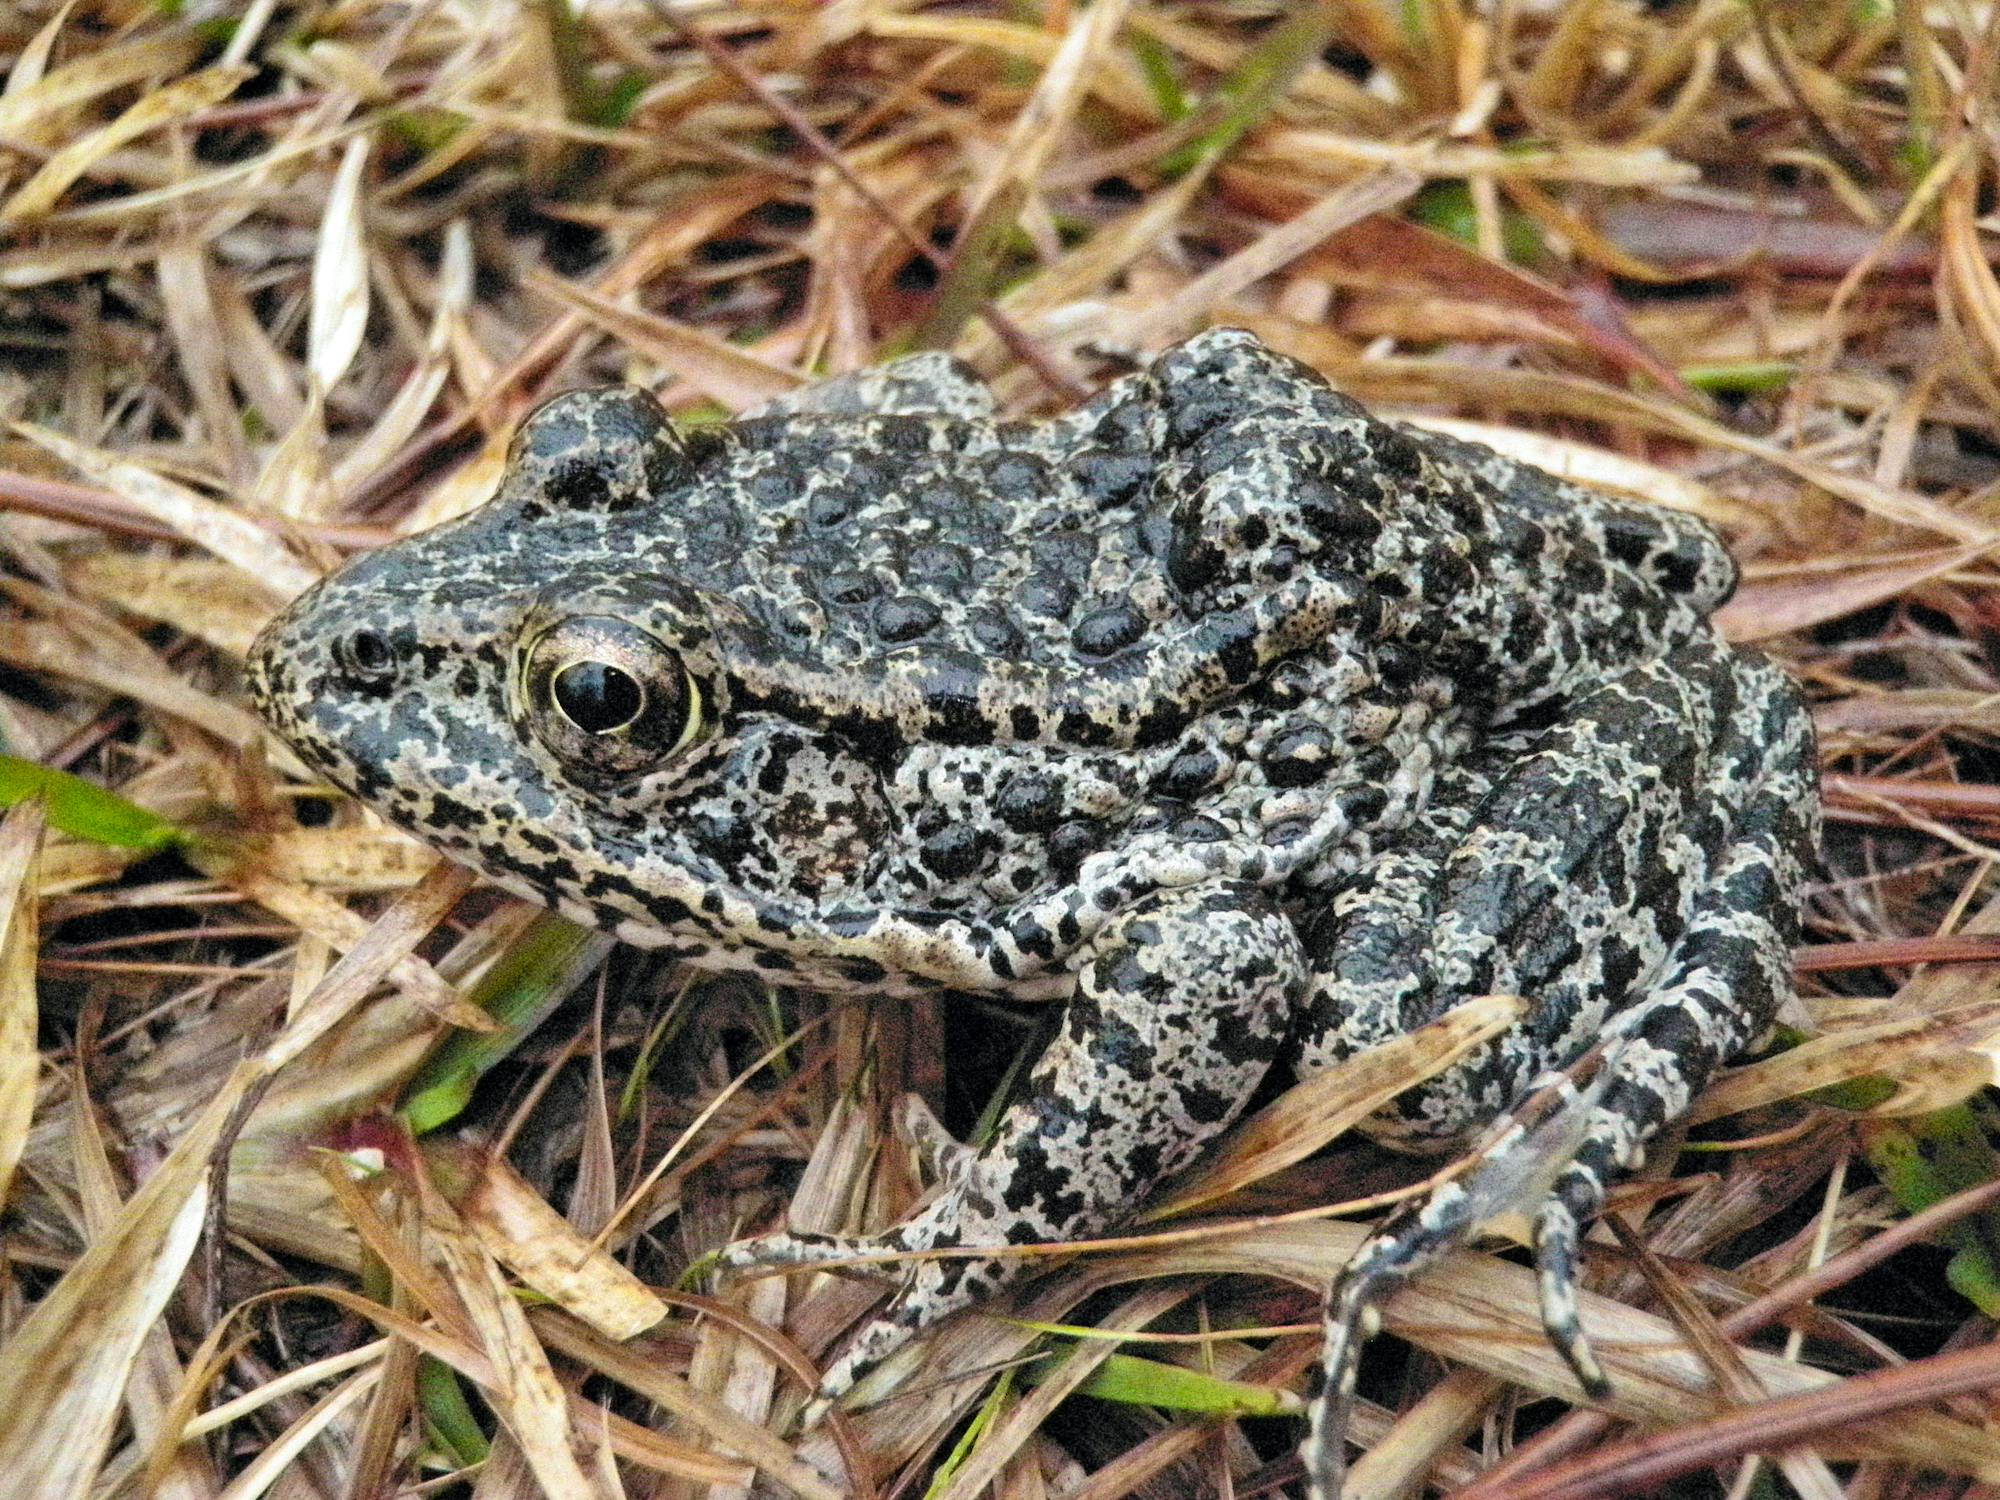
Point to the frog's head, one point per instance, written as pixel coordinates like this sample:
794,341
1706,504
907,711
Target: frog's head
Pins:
547,692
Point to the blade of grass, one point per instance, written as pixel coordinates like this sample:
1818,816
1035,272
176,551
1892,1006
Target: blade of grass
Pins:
1258,82
85,810
550,959
1134,1381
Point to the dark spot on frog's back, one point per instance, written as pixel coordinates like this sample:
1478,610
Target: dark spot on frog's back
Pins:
1287,831
994,632
1288,683
941,564
774,484
1587,576
831,507
1230,640
1362,805
1016,477
905,617
1197,407
1397,665
862,474
1108,629
1244,439
1162,722
1048,596
954,852
1189,774
578,482
946,497
1077,727
1193,562
1397,451
1334,513
1071,843
1111,478
1299,757
849,586
1628,544
1679,569
1029,802
1446,570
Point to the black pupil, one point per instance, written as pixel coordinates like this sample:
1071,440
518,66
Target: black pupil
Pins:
368,651
597,697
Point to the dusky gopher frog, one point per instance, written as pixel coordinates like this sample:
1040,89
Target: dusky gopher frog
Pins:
1247,725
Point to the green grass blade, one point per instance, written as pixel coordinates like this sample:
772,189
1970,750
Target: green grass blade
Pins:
1134,1381
1255,86
1750,377
448,1414
1933,1157
989,1411
84,810
531,979
1163,79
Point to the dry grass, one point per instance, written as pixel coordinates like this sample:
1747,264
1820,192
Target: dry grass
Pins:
276,290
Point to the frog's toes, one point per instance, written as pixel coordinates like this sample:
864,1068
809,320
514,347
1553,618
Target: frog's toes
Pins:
1513,1165
939,1154
1557,1238
785,1248
930,1289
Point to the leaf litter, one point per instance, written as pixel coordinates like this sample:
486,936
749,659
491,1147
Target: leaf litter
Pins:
326,1171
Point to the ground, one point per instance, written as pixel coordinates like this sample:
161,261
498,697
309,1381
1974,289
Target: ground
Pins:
276,289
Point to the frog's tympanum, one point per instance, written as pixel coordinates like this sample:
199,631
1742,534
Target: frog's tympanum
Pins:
1246,724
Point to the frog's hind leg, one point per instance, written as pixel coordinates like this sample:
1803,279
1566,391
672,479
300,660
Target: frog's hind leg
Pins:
1726,976
1635,875
1182,1004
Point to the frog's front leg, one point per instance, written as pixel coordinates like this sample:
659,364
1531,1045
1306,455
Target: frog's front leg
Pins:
1181,1005
1634,873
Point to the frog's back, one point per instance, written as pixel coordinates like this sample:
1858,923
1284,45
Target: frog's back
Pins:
1104,578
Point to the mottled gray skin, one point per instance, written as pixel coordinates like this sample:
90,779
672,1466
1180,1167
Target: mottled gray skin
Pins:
1219,709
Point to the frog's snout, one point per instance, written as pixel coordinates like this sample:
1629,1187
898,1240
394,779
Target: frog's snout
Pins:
264,674
279,672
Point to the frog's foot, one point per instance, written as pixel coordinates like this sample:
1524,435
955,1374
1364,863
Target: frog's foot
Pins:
1514,1163
1635,874
930,1287
940,1156
1181,1005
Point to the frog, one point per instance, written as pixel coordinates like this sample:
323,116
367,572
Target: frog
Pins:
1251,728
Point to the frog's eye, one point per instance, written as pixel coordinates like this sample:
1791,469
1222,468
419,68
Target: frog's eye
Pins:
608,698
366,658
